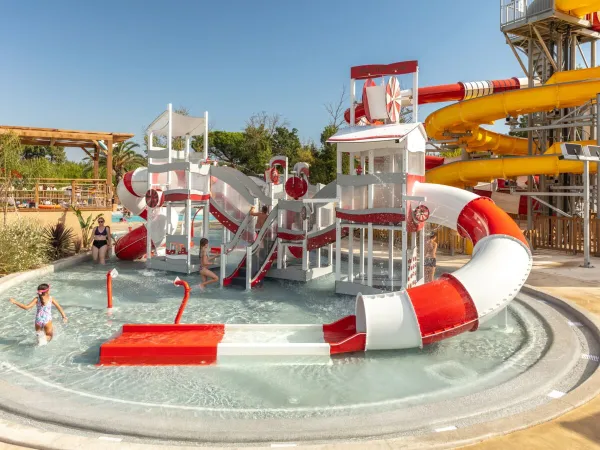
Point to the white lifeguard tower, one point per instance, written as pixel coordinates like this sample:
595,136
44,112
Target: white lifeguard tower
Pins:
386,158
178,183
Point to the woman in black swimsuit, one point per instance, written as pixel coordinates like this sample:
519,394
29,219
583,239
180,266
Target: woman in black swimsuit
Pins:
102,242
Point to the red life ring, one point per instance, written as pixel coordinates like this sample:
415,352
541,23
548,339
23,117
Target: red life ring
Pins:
296,187
274,175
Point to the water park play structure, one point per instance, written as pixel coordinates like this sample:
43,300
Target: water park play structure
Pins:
392,195
385,189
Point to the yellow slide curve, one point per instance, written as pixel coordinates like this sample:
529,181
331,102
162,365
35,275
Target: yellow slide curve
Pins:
563,90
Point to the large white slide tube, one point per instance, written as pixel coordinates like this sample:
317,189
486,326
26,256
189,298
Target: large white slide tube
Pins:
459,302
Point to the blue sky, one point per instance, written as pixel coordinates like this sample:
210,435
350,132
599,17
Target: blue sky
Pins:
114,65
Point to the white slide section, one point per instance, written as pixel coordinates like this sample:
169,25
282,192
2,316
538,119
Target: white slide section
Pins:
463,300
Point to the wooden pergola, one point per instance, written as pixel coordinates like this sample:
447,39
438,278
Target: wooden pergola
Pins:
88,141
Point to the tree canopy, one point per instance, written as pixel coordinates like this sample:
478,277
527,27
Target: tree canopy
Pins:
53,154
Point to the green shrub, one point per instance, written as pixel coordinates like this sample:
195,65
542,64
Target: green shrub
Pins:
86,226
23,246
60,240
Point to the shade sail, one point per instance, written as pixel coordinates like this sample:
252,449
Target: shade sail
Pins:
182,125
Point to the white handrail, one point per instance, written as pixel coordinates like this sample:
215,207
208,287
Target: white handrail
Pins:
270,218
236,238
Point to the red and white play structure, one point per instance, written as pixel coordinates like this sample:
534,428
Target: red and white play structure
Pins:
176,182
383,188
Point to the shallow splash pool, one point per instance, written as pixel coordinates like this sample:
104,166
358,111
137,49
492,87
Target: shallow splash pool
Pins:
464,364
64,375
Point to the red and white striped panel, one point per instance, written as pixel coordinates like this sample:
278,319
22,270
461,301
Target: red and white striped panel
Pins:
460,301
413,263
204,344
474,89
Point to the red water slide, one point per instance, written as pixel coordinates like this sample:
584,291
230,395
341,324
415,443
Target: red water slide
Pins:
452,93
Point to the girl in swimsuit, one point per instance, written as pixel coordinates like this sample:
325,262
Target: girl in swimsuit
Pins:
102,242
43,316
208,276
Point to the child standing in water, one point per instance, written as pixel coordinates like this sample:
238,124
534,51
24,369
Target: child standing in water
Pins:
208,276
43,316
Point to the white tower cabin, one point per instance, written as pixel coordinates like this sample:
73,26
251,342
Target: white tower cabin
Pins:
178,183
385,159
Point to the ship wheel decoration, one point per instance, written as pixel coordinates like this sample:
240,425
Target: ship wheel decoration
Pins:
393,99
365,99
421,213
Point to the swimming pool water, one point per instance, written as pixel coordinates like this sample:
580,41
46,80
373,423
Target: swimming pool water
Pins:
373,381
117,216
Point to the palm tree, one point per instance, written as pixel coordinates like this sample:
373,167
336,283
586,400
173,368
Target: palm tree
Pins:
125,158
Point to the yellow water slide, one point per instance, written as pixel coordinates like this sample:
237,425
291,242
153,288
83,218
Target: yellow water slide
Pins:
563,90
577,8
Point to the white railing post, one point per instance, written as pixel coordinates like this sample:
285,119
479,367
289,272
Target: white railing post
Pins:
338,222
305,255
248,267
371,193
223,263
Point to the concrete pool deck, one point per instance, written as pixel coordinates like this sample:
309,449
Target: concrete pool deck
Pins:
555,273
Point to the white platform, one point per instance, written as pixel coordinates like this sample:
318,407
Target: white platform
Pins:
175,265
295,273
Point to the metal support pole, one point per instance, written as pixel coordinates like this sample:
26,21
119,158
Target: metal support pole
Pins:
305,254
422,253
330,246
362,235
391,169
338,222
404,276
149,216
280,247
319,212
530,138
205,219
370,190
248,267
351,229
598,164
586,215
188,234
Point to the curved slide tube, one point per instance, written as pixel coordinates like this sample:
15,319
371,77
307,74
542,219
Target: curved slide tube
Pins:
563,90
456,302
469,173
131,191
